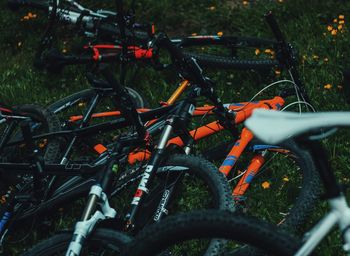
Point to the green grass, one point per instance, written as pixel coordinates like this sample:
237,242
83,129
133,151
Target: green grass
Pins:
322,57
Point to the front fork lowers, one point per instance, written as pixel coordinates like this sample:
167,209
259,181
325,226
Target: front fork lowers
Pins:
84,227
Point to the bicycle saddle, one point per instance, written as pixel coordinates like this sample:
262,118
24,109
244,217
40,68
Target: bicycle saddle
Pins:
276,126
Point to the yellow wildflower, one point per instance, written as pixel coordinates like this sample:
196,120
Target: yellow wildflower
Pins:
194,34
245,3
280,1
340,27
315,57
341,22
268,51
341,17
43,143
277,72
220,33
325,59
3,199
26,17
327,86
212,8
329,28
334,32
266,185
335,20
257,51
285,179
64,50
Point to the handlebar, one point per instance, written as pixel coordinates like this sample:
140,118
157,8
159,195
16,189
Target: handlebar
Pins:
190,70
101,23
286,54
55,61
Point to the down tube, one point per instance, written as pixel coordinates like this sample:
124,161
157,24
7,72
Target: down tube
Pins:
236,151
197,134
243,184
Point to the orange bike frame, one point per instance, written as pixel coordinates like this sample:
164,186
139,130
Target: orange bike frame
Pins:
242,111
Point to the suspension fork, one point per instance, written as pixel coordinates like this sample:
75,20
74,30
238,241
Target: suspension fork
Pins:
179,120
91,216
149,173
169,192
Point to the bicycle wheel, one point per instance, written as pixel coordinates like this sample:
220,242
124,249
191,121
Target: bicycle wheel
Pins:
83,97
224,62
71,109
100,242
288,179
171,235
183,183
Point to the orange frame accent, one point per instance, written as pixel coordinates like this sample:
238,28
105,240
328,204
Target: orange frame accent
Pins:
243,184
243,110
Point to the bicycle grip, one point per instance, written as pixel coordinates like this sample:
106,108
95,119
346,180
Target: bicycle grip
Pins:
39,4
346,76
54,61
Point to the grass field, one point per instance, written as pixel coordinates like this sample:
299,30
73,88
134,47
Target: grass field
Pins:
317,29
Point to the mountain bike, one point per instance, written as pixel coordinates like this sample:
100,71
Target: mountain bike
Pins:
59,193
192,74
102,26
183,164
263,156
306,128
176,122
